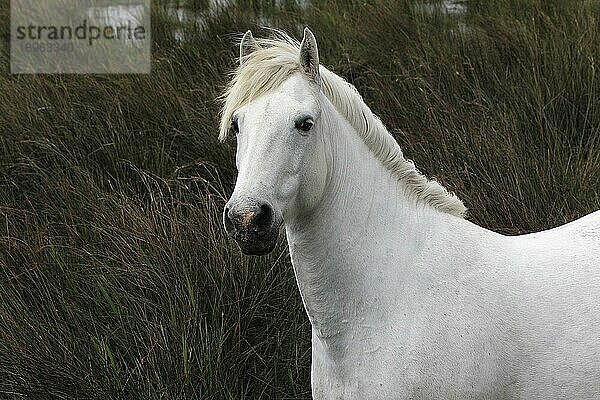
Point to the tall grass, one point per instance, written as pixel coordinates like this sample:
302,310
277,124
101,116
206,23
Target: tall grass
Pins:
116,278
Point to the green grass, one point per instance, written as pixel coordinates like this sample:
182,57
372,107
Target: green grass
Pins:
117,279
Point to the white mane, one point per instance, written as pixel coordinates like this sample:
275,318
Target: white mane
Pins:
275,60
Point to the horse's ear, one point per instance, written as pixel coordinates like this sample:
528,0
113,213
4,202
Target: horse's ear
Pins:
247,45
309,55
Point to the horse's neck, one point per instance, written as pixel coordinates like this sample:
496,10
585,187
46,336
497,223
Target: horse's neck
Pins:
353,253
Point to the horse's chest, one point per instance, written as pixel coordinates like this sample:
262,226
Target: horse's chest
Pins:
403,366
360,370
359,383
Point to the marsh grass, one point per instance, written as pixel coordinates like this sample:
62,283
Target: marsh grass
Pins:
117,280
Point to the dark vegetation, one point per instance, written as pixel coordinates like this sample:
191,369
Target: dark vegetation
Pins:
116,279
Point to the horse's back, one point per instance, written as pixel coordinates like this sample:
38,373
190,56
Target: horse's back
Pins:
523,317
559,304
584,229
571,250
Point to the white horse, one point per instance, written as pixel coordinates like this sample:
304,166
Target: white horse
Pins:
406,298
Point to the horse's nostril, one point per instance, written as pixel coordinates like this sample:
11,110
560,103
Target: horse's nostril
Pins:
264,216
257,219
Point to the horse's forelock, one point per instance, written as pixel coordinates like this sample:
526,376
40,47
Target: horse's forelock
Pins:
259,72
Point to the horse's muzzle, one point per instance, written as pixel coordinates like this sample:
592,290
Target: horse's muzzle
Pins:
253,226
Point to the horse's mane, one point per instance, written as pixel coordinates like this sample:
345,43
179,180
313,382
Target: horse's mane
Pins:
275,60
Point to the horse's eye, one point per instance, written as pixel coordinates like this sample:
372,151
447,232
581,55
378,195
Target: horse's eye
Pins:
234,126
305,124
